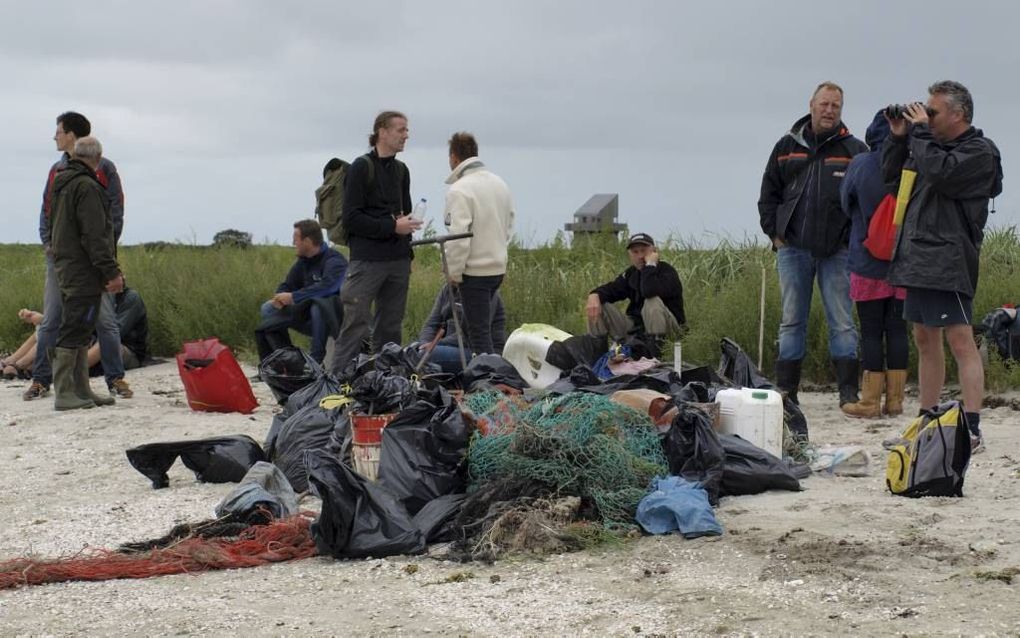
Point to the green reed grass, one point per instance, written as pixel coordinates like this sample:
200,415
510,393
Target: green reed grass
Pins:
194,292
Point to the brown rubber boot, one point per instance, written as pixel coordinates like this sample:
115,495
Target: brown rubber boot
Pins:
870,405
895,381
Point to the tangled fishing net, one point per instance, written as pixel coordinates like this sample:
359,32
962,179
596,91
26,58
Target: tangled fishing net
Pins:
279,540
579,444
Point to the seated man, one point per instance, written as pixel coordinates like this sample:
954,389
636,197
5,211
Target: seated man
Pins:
309,299
653,289
446,350
133,321
19,363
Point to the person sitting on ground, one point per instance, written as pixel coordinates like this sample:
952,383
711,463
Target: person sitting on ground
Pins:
19,363
309,298
441,329
652,287
132,322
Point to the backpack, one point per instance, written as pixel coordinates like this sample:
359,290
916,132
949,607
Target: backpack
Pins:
931,456
888,217
329,199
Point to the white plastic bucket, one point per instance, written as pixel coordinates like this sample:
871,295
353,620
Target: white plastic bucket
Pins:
525,349
753,415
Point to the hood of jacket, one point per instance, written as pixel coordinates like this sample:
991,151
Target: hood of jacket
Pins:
878,131
73,169
469,165
800,127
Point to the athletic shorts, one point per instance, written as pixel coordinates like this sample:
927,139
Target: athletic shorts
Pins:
937,308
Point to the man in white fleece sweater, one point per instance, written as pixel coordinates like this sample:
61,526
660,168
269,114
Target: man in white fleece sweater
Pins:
478,202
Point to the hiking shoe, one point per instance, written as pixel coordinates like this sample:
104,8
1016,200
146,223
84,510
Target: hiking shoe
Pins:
977,444
35,391
121,389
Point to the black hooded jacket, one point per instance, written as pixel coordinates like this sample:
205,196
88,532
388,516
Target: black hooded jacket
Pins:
940,240
800,169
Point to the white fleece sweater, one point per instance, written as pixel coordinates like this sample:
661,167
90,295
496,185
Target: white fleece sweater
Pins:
478,202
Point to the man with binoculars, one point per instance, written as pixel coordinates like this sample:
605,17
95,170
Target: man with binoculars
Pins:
956,170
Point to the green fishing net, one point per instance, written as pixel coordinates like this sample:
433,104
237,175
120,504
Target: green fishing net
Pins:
579,444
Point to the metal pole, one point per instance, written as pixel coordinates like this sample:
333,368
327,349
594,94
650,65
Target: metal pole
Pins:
761,321
453,289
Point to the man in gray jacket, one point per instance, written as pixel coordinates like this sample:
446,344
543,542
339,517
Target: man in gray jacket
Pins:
958,170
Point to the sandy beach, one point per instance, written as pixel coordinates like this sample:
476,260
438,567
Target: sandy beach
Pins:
841,557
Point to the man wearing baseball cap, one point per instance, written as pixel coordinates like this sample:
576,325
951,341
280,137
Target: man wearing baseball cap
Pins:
651,286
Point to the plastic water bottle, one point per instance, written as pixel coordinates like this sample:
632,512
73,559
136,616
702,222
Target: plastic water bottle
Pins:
419,210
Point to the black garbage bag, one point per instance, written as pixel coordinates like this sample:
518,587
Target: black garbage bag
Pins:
223,459
751,470
1003,331
311,394
576,350
435,521
423,453
310,428
693,450
287,370
358,518
737,367
377,392
490,369
693,392
402,361
580,376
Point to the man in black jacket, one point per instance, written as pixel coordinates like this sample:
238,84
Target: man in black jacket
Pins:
653,289
307,300
800,212
377,207
958,170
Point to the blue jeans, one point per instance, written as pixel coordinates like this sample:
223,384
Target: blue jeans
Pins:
797,270
272,331
448,358
107,330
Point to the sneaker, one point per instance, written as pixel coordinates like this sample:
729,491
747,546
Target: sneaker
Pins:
977,444
35,391
120,388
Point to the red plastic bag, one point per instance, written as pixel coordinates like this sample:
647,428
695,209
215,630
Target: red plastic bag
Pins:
212,379
882,229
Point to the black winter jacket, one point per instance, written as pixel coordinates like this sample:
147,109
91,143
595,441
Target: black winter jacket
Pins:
637,285
796,166
940,240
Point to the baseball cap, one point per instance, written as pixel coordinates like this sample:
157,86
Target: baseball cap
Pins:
640,238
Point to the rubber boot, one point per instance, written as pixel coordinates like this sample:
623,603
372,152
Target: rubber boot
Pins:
870,405
788,377
847,380
895,381
82,385
65,382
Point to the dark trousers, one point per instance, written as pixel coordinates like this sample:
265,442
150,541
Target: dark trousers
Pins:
272,333
476,295
367,283
77,321
882,321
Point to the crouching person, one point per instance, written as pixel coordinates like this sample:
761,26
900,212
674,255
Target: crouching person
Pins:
86,267
439,334
652,287
309,298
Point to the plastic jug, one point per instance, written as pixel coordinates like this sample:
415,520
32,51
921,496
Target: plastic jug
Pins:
754,415
525,349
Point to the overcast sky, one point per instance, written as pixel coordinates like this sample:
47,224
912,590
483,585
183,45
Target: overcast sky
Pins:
221,114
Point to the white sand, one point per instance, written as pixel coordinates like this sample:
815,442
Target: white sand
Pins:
841,557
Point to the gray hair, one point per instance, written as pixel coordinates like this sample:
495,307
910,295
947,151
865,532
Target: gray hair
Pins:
957,96
88,148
